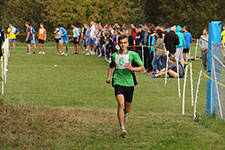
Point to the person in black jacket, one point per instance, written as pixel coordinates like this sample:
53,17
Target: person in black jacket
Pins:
171,40
2,38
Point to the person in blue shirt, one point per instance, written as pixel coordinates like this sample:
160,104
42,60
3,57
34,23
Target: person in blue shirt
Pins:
188,40
33,38
76,35
88,39
64,39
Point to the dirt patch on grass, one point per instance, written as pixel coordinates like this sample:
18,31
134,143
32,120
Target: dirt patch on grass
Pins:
26,127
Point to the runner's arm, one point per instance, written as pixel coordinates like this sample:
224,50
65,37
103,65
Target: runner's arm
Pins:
110,69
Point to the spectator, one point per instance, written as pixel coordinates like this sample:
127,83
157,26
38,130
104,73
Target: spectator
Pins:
41,38
171,40
139,39
13,32
157,64
203,43
76,35
57,38
180,47
223,36
172,69
93,37
2,38
188,40
151,42
33,38
28,37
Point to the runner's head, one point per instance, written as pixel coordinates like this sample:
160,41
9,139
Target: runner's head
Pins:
59,26
123,42
10,24
27,24
73,25
41,25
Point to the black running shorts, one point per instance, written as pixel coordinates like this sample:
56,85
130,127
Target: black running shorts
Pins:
186,51
127,92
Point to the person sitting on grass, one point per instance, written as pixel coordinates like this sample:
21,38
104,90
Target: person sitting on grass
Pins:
172,69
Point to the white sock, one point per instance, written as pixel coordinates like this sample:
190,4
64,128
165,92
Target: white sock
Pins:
122,127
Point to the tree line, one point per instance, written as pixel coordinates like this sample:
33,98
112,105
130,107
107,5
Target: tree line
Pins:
195,14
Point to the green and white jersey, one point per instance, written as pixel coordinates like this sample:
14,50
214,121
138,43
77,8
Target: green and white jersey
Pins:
123,76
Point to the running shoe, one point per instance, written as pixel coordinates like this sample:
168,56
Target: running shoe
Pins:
40,53
62,54
100,55
153,76
33,52
66,54
43,53
87,53
28,53
123,133
150,73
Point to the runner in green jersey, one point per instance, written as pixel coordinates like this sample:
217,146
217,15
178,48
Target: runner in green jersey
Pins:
124,79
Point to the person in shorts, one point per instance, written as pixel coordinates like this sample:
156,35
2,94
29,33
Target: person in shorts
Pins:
41,39
28,37
124,79
76,35
13,32
32,38
64,39
57,38
188,40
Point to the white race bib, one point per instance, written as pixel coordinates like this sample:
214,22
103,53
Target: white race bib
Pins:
14,30
121,60
41,31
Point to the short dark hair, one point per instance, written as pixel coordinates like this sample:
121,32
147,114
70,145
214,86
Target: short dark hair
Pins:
122,36
28,23
74,24
59,25
186,27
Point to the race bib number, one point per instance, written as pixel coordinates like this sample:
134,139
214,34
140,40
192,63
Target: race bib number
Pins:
121,60
14,30
41,31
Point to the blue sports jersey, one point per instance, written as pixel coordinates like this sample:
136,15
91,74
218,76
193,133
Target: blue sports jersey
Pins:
88,34
188,40
65,36
33,36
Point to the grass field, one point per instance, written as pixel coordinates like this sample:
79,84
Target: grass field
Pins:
71,107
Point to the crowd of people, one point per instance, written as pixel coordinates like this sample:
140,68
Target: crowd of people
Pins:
152,43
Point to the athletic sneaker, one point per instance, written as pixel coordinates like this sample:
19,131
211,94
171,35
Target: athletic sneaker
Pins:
100,55
84,53
66,54
123,133
87,53
40,53
153,76
62,54
28,53
33,52
150,73
43,53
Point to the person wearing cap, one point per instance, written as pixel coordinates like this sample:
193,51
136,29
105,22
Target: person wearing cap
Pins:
180,46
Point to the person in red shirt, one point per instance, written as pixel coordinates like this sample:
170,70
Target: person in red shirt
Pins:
41,38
